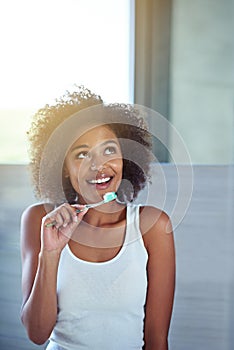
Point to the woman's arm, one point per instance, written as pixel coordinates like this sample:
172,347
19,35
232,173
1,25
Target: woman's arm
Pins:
159,243
41,247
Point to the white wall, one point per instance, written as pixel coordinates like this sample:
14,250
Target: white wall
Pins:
202,78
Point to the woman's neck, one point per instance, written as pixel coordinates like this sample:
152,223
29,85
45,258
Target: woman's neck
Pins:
102,229
105,215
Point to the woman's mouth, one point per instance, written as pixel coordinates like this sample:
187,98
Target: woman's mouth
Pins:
101,183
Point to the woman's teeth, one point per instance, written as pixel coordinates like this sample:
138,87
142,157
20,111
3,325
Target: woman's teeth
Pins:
99,181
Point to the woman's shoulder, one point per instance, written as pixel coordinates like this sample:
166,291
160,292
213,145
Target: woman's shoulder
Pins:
154,216
38,208
36,212
31,226
154,224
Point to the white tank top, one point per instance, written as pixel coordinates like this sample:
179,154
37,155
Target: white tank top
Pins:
101,305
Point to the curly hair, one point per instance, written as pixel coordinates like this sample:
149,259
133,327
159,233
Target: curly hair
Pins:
135,141
47,147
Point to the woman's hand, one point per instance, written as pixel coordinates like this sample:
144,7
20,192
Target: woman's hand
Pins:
65,220
41,246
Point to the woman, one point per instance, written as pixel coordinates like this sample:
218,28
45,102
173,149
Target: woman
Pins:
99,278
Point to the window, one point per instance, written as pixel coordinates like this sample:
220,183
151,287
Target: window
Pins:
47,46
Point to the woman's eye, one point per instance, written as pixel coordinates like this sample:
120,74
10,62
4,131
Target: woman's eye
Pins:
110,150
82,155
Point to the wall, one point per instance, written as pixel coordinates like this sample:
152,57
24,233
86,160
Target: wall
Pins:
202,78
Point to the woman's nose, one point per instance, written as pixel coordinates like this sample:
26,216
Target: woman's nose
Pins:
96,164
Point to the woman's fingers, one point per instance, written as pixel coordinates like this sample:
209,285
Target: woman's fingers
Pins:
79,208
61,216
65,215
60,225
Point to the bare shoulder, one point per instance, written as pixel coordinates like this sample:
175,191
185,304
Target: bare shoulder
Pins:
36,211
31,225
155,226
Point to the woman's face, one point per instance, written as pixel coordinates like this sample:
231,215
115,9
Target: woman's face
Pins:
94,164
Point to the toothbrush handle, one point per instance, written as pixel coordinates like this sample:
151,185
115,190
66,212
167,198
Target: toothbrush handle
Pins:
52,223
94,205
87,206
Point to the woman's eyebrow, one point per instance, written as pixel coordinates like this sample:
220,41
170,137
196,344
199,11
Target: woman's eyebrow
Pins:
86,146
109,141
78,147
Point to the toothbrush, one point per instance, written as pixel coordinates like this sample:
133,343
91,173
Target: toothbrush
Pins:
108,197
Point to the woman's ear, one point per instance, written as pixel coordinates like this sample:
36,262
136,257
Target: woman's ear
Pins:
65,172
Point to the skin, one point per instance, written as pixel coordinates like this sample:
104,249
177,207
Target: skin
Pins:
95,155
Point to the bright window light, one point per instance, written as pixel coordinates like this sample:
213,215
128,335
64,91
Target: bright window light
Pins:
47,46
